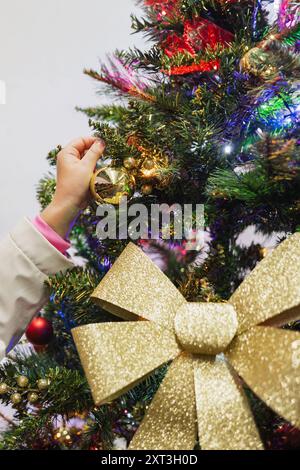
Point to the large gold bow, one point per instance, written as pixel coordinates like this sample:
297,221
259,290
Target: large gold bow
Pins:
201,385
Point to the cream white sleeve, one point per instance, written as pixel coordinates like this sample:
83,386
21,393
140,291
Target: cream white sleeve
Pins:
26,261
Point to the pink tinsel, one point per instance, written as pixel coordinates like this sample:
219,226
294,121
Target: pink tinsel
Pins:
289,14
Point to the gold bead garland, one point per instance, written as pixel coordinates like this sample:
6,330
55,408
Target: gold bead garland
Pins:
23,389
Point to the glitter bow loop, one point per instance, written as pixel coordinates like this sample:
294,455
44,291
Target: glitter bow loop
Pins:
200,386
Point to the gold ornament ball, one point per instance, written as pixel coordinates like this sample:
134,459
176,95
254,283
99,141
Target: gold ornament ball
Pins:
256,62
3,389
22,381
32,397
43,384
109,185
16,398
130,163
149,164
263,252
149,169
147,189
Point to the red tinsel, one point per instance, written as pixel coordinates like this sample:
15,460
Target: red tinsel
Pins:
202,66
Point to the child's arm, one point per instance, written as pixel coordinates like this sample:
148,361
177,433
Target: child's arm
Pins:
28,258
75,166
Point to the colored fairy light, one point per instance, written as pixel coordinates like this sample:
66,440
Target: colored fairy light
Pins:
228,149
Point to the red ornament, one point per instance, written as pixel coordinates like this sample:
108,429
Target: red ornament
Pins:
199,35
175,44
39,332
202,34
164,8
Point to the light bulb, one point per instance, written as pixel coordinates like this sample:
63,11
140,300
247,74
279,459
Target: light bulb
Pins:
228,149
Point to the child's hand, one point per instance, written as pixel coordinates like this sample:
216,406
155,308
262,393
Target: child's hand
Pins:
75,166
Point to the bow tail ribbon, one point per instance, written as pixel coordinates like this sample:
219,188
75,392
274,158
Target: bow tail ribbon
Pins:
225,421
204,391
170,422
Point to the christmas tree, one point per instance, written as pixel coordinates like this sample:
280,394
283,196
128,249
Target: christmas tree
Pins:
209,114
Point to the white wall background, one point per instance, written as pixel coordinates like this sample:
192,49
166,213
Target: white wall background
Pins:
44,47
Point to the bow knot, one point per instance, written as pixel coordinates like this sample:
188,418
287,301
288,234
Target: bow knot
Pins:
205,328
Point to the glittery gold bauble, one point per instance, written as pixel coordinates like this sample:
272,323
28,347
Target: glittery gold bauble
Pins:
16,398
147,189
130,163
155,169
149,170
257,62
3,389
263,252
43,384
109,185
149,174
22,381
32,397
149,164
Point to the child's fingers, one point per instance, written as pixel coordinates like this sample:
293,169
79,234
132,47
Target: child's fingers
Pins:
77,147
94,153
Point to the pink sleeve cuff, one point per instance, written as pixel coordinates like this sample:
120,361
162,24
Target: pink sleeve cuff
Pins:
56,240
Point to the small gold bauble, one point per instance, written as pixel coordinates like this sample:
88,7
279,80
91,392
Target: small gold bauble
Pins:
147,189
16,398
263,252
149,170
148,174
32,397
22,381
130,163
3,389
257,62
149,164
43,384
109,185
